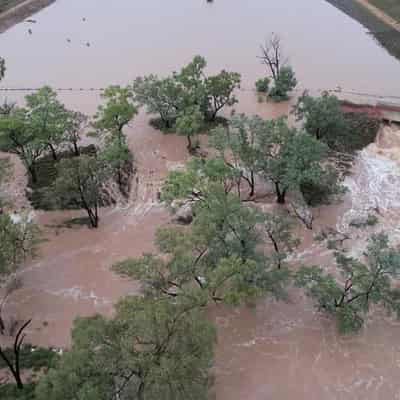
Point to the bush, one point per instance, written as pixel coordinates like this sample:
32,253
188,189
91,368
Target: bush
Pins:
284,84
262,85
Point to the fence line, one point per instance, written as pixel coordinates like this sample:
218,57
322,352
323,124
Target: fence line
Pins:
244,89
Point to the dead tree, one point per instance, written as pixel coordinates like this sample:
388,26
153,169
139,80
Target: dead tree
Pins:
14,364
272,55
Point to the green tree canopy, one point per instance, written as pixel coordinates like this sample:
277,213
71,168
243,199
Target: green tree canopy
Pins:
111,119
16,136
47,119
80,180
362,284
151,349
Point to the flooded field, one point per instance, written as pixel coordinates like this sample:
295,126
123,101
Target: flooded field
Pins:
276,350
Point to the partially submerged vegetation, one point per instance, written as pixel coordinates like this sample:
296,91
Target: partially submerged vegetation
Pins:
161,344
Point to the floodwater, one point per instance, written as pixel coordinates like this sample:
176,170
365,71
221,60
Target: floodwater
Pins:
276,350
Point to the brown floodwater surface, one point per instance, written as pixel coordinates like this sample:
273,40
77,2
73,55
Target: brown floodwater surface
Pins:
276,350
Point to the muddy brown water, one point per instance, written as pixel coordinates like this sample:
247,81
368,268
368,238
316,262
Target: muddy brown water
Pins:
275,350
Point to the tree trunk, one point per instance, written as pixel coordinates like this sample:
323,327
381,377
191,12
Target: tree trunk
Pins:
32,171
189,146
281,194
252,184
53,152
76,149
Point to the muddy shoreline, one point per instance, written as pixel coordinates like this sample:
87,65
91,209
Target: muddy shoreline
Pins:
20,12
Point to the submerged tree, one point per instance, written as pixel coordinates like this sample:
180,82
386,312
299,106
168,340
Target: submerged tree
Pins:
277,65
362,284
292,159
80,181
110,121
324,119
189,123
17,137
48,119
76,123
151,349
185,90
160,96
239,146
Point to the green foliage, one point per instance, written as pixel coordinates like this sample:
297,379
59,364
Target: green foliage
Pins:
160,96
151,349
110,120
239,146
31,357
262,85
186,90
292,159
10,391
80,180
285,82
17,137
18,240
363,284
76,122
189,123
48,118
117,112
220,256
324,119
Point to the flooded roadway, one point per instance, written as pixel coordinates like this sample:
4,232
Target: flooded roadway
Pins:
275,351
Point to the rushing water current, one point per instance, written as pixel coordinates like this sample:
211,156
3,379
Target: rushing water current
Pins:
276,351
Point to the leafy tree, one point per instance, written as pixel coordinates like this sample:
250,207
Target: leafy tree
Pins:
18,240
189,123
291,158
279,230
187,89
110,121
362,284
17,137
199,178
324,119
220,255
47,119
80,181
76,123
220,91
151,349
284,84
239,145
160,96
277,65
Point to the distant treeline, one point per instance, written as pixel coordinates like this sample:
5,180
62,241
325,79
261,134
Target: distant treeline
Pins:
386,36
